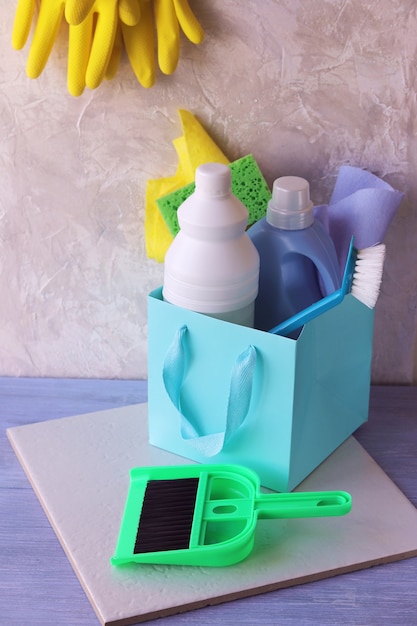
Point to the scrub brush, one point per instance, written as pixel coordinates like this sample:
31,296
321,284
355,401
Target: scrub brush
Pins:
362,278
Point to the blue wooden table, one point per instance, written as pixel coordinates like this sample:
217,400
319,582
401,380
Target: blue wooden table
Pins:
39,587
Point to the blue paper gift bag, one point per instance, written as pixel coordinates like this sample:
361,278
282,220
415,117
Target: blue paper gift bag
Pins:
224,393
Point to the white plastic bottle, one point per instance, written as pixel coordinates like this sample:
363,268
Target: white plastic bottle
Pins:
212,266
298,261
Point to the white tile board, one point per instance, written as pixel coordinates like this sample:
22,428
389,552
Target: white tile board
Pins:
79,468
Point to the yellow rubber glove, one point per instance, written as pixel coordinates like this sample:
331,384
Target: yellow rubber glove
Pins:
170,15
116,55
50,16
77,10
90,42
78,62
94,46
139,42
167,17
91,45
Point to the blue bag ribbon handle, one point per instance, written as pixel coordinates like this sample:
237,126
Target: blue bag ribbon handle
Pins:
240,393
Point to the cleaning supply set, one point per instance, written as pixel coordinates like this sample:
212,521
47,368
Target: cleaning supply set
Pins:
224,394
211,267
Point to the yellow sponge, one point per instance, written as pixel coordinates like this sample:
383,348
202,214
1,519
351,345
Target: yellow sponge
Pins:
248,184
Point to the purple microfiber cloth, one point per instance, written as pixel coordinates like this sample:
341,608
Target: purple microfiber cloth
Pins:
361,205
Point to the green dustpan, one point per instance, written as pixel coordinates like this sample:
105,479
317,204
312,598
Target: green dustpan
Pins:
206,515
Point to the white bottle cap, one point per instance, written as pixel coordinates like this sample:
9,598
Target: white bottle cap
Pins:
213,180
290,207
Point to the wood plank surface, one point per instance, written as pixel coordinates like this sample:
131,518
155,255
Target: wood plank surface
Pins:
39,587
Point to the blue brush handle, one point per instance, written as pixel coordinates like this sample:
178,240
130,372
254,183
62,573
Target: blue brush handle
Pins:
308,314
328,302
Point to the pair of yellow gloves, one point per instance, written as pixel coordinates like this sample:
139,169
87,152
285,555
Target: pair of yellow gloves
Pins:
98,30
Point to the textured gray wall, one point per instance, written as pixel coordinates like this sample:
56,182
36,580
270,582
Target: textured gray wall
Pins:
304,86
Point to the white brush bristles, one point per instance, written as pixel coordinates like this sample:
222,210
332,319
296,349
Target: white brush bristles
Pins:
367,277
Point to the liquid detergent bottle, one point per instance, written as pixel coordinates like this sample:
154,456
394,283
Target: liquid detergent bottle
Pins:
298,261
212,266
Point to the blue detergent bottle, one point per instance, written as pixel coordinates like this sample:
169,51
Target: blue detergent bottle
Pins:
298,261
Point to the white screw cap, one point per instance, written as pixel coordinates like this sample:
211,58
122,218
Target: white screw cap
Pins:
213,179
290,207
